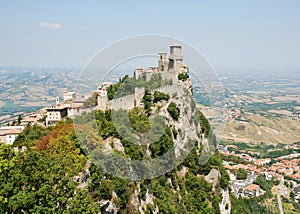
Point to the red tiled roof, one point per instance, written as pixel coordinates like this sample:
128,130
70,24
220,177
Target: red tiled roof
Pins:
252,187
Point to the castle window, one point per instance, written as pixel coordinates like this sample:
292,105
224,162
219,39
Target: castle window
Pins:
171,63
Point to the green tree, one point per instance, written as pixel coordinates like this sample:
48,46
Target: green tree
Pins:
147,100
158,96
183,76
241,173
91,101
19,119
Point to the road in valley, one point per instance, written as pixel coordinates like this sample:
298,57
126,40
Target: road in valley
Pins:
280,204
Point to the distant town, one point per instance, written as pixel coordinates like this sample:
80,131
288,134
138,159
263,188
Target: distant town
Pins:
245,166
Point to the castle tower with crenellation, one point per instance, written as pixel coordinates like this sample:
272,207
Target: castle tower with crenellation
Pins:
175,59
168,68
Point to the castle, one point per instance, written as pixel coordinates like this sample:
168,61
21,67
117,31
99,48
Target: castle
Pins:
168,69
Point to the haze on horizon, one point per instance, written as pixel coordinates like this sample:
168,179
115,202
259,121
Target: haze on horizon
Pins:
253,35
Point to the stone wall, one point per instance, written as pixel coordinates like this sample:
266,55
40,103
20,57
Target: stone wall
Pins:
130,101
126,102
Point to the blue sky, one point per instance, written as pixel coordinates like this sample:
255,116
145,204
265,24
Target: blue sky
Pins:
250,34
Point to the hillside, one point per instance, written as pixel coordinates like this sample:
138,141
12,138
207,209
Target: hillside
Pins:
157,157
260,128
65,181
24,90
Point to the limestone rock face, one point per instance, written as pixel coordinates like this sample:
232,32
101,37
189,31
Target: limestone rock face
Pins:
225,204
185,133
213,177
108,207
113,143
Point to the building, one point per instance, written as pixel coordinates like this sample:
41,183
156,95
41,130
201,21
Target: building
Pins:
70,107
55,114
8,134
246,157
253,190
36,118
168,68
69,95
73,107
261,162
269,175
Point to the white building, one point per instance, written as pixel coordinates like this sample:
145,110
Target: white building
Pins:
8,134
55,114
73,107
70,107
69,95
253,190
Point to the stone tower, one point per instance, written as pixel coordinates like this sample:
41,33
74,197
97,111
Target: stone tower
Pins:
162,61
102,98
175,59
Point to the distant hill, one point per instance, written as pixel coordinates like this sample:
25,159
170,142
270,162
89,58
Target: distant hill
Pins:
29,89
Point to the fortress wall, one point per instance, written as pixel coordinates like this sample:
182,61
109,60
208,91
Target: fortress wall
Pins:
167,75
171,89
126,102
139,93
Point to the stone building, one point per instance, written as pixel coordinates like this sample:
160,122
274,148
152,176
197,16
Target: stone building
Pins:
168,68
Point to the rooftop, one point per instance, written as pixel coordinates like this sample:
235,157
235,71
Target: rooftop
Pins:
252,187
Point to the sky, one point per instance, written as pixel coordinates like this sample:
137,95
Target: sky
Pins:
231,34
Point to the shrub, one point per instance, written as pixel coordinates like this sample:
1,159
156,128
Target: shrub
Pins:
158,96
183,76
173,110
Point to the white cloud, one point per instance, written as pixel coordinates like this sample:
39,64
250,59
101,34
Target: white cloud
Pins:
51,25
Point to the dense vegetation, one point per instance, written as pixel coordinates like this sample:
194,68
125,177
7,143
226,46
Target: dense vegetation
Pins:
127,84
39,180
264,150
257,204
42,178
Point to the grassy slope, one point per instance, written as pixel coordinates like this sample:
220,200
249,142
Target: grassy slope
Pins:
263,129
